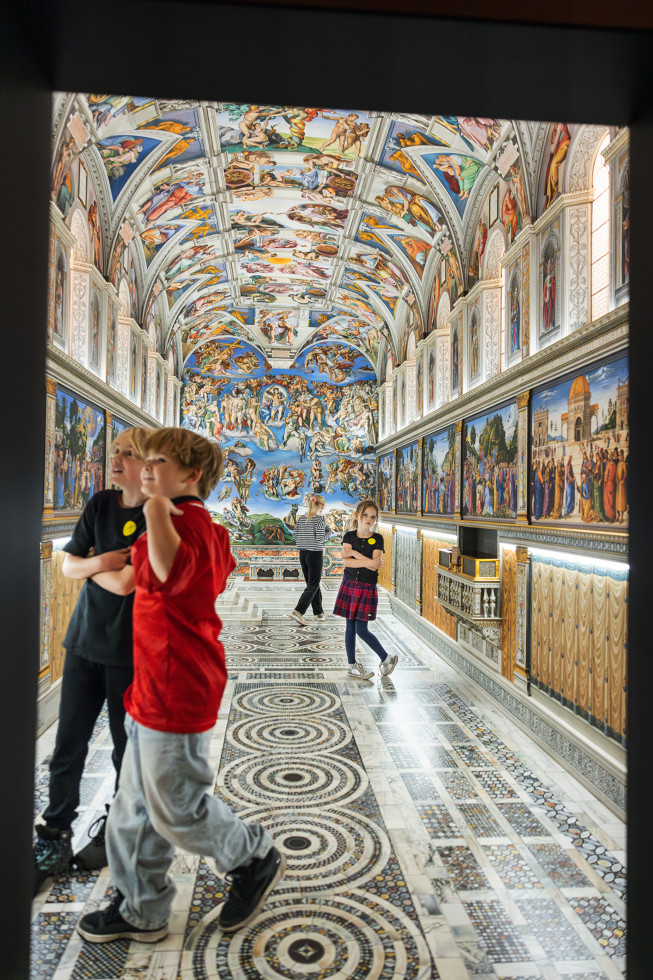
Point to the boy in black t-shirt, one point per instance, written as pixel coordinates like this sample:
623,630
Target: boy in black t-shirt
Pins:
98,664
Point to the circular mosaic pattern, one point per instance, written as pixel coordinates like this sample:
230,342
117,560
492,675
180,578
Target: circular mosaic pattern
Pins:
277,735
279,700
354,935
307,781
334,851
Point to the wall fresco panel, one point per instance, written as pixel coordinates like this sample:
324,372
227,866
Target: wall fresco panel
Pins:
385,572
64,593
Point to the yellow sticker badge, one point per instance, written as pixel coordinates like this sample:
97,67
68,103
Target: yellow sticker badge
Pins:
371,540
129,528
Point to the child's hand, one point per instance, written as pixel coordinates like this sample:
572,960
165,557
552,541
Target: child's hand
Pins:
375,563
113,561
160,505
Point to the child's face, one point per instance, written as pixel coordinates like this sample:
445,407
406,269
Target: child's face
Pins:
161,474
367,520
125,465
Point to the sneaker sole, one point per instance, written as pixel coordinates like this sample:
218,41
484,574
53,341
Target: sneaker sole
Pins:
295,619
361,677
387,673
155,936
252,915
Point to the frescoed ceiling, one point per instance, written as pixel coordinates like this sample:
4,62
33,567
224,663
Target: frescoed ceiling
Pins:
282,226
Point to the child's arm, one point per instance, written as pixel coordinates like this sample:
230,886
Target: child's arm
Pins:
80,568
162,539
353,559
120,583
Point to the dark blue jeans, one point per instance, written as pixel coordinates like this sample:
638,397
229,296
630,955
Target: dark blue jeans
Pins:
311,562
84,688
359,627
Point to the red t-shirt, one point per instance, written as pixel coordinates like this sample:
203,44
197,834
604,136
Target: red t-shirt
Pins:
179,665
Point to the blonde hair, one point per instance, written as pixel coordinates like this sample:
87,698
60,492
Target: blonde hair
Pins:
360,510
315,501
190,449
138,436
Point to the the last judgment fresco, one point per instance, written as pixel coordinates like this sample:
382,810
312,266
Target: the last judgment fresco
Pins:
285,433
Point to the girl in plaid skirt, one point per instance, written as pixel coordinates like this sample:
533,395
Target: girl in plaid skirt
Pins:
357,600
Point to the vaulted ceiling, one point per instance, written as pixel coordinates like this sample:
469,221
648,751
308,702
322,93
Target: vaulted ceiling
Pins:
284,226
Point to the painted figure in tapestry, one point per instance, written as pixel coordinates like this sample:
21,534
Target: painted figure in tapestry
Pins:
580,447
438,473
407,480
386,481
490,464
78,452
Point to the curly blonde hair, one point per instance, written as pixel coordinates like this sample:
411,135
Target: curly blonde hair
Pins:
190,449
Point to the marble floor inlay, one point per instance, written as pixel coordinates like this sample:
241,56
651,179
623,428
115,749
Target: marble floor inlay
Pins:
426,836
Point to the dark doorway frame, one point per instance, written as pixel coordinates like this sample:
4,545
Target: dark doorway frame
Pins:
386,61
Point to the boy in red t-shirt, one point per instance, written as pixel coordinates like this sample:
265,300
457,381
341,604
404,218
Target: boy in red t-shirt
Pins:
180,566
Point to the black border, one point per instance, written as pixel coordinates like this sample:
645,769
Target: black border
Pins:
555,380
576,73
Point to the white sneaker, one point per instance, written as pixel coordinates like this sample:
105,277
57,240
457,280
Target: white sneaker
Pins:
297,616
320,617
388,665
359,672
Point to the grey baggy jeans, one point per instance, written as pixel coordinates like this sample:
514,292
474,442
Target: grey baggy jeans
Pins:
164,801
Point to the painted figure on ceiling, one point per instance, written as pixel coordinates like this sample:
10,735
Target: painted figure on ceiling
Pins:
413,208
560,140
510,216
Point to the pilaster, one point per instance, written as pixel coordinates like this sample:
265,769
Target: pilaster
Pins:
523,464
522,618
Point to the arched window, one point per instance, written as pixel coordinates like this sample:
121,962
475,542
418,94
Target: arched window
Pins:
601,235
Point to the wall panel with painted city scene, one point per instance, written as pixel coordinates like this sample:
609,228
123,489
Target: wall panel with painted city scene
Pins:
439,473
285,434
489,469
407,479
79,438
386,482
579,448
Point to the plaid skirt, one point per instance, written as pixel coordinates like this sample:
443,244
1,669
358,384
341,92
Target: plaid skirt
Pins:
356,600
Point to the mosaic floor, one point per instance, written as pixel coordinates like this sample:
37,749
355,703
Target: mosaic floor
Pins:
426,836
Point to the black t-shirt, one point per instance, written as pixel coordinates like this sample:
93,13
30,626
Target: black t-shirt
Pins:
100,627
366,547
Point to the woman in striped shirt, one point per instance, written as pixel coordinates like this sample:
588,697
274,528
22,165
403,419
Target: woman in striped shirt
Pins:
311,531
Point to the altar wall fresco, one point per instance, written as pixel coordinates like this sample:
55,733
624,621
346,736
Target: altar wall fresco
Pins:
285,433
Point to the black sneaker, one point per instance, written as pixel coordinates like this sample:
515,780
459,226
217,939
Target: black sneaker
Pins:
53,852
250,886
94,854
106,925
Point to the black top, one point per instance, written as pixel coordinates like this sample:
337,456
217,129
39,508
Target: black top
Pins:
366,547
100,627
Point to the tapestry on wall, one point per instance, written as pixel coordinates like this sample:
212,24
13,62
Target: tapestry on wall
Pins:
78,452
490,464
407,480
439,473
386,482
285,434
579,448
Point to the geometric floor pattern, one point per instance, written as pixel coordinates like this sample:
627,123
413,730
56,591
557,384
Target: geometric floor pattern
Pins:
425,835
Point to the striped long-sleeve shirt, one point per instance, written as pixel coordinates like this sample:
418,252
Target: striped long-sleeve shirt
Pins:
310,535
